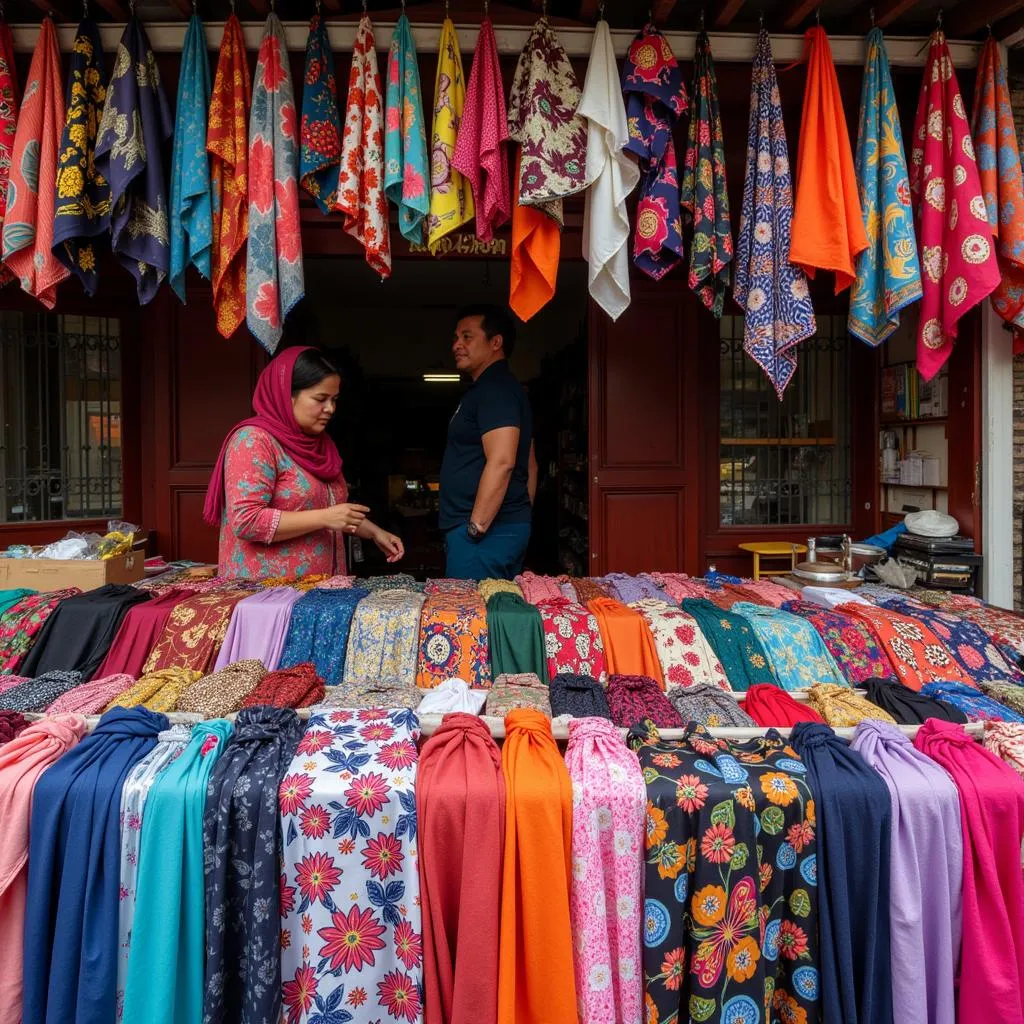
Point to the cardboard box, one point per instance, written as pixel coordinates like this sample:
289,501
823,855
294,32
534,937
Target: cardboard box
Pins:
45,574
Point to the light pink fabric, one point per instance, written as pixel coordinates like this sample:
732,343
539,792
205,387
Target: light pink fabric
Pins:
22,761
10,682
679,586
91,698
540,588
609,801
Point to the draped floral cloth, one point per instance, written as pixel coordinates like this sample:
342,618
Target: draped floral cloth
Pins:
888,270
31,188
652,82
453,641
130,152
320,154
1006,741
1005,627
8,121
81,211
451,198
383,641
191,201
1002,185
21,623
319,629
274,274
227,142
405,136
483,135
686,657
705,196
957,255
194,632
828,227
350,889
978,707
572,641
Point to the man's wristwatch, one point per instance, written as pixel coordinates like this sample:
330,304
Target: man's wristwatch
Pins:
474,531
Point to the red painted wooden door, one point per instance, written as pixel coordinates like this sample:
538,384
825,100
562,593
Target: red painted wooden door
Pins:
644,465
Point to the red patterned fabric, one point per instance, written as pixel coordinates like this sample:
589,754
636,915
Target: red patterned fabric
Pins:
572,641
8,121
20,625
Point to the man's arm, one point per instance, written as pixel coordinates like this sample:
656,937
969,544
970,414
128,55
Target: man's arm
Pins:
531,477
500,447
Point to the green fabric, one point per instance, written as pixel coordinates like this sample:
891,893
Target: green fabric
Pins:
516,635
9,598
734,641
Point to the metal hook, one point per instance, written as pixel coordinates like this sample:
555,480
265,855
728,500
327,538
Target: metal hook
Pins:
702,19
487,8
760,18
544,8
600,11
938,19
872,13
817,14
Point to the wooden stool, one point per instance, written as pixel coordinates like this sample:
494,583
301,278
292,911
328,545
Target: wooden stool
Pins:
773,549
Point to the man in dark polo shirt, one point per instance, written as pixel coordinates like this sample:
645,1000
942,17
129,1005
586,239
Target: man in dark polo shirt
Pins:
489,473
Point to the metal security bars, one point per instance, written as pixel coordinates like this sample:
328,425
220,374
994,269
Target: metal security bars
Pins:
60,413
785,463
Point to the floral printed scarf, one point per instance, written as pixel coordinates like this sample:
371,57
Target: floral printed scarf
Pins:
705,197
320,155
81,211
274,261
8,121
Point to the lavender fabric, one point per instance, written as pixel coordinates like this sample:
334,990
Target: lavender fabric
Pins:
926,874
258,628
634,588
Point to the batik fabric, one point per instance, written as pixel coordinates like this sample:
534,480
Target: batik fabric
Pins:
453,641
320,153
732,638
687,659
318,631
1006,741
572,641
194,633
8,121
977,706
383,642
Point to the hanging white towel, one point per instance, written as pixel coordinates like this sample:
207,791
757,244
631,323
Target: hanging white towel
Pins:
611,176
451,696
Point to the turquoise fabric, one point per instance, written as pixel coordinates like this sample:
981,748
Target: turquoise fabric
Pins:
167,959
191,198
9,598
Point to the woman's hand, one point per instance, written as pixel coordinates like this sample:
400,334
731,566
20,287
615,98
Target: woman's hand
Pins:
345,518
390,545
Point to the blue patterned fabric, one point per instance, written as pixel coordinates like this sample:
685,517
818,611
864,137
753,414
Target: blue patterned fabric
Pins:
191,198
888,271
976,706
773,292
320,150
319,630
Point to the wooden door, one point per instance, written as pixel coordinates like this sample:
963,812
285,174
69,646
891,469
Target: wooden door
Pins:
644,466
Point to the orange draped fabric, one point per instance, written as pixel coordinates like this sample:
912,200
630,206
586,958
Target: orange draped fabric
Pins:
828,227
536,247
629,646
536,983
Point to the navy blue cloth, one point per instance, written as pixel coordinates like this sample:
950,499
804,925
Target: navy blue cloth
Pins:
241,853
318,631
854,821
495,399
498,555
71,940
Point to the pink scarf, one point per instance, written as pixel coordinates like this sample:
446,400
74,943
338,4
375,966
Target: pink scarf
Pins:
272,403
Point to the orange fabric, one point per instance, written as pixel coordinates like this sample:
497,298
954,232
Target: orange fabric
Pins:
536,247
535,970
828,227
629,646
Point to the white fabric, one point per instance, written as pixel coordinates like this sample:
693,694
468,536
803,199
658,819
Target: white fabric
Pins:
611,176
452,695
831,597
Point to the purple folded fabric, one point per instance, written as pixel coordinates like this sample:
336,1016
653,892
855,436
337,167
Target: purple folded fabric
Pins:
633,588
91,698
258,628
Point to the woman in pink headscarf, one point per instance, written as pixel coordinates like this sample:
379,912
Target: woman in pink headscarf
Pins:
277,492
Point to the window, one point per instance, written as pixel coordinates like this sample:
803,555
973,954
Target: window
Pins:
785,463
60,409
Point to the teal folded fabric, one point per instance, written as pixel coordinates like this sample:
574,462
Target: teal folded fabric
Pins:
9,598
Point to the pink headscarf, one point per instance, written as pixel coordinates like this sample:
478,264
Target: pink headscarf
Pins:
272,403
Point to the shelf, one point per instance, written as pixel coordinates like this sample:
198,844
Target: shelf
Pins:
785,442
922,421
919,487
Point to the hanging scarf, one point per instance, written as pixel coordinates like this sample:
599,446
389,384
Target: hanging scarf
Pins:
480,147
274,258
129,154
536,246
611,177
999,170
73,875
8,121
405,137
227,142
31,189
241,852
451,198
704,196
191,200
361,196
957,256
321,123
652,83
82,206
888,271
828,228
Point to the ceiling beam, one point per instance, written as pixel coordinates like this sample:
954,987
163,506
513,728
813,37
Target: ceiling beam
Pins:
588,9
724,12
334,6
967,18
661,11
1010,30
183,7
794,13
60,9
885,13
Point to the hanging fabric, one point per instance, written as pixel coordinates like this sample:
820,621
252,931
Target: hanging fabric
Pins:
158,691
259,628
191,201
9,100
611,177
828,227
633,699
31,188
652,83
274,259
227,142
38,694
536,247
81,212
453,641
361,196
136,125
483,135
888,271
957,255
451,198
320,154
297,687
709,705
843,708
906,706
405,137
221,693
975,705
704,196
1006,741
999,170
628,643
578,697
732,638
91,698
